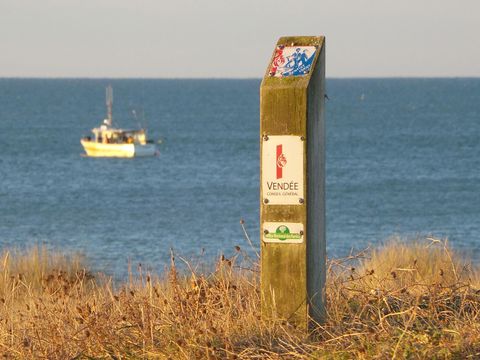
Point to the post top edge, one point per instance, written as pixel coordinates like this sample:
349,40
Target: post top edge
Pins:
301,40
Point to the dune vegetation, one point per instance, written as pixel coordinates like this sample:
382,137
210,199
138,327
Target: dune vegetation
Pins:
412,300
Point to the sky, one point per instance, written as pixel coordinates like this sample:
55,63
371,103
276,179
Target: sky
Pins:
235,39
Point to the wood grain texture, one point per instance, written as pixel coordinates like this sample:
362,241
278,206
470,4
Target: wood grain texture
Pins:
292,273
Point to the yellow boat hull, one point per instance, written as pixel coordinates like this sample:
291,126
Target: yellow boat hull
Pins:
94,149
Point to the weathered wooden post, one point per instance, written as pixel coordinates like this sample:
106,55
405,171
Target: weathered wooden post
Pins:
292,191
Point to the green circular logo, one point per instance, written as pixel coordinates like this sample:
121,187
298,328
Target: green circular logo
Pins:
282,232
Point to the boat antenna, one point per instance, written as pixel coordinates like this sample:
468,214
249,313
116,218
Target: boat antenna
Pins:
109,102
141,122
144,120
134,113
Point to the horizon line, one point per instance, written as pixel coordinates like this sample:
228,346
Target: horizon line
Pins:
226,78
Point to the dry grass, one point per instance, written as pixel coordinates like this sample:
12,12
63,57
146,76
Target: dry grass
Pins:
400,301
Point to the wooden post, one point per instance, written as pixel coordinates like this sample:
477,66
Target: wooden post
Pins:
292,189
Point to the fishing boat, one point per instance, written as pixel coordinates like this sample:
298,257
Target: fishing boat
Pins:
110,141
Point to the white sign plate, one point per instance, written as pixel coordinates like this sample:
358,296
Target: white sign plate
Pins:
283,232
282,170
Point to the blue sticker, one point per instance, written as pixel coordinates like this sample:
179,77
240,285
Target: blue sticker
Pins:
292,60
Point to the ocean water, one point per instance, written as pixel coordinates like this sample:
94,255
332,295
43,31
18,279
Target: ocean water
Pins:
403,159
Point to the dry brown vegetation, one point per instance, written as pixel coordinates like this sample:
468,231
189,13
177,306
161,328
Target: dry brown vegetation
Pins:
417,300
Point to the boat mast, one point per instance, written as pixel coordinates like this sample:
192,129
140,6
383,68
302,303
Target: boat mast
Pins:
109,102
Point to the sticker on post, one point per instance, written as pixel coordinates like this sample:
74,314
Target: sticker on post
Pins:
292,61
283,232
282,170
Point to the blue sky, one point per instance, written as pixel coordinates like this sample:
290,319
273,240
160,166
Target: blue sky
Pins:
234,39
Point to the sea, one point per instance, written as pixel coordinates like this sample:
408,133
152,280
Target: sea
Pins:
403,162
